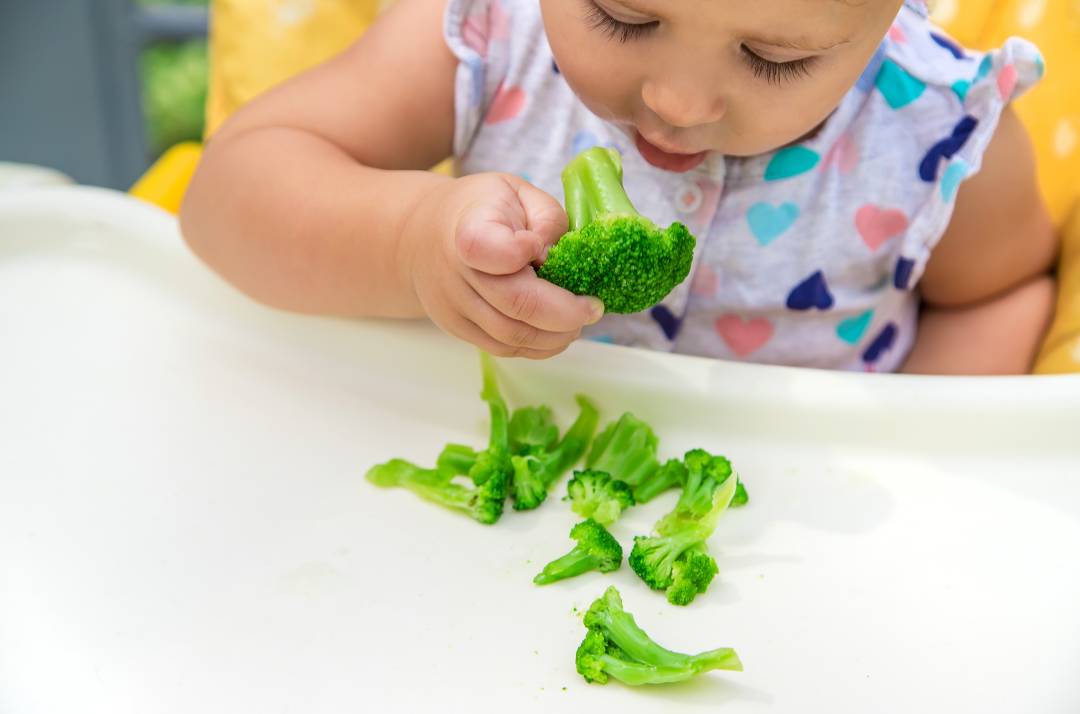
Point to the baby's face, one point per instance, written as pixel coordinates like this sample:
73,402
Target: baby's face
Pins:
739,77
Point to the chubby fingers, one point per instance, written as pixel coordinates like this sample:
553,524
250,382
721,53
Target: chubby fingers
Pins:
511,226
525,298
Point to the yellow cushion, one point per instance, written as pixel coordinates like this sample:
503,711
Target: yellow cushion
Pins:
255,44
165,182
1061,350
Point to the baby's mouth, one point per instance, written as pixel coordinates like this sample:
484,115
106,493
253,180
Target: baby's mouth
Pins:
667,160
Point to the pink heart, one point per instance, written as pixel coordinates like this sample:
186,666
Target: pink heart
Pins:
896,34
706,282
744,337
474,32
844,153
1007,81
482,27
507,104
877,226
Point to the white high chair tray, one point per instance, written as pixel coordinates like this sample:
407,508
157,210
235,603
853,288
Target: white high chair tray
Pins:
185,526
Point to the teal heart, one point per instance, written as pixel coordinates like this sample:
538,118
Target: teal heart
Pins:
852,329
767,221
1040,65
960,88
897,86
791,162
985,66
956,173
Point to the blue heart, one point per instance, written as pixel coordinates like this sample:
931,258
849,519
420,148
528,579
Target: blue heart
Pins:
767,221
866,80
605,339
667,321
791,162
812,292
585,139
950,182
946,148
881,344
897,86
957,50
960,89
852,329
902,276
555,67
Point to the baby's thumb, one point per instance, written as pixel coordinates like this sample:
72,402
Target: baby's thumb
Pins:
543,216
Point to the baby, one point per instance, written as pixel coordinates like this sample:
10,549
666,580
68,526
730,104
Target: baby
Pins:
863,196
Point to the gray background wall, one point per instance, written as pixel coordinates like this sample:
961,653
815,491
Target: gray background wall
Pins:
69,89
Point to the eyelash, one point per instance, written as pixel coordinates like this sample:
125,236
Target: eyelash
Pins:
615,29
777,71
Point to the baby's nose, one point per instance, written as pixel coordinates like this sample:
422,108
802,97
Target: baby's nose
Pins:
682,105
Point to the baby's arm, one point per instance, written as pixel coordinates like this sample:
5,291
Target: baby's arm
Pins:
987,294
315,198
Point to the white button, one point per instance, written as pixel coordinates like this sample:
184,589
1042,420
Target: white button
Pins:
688,198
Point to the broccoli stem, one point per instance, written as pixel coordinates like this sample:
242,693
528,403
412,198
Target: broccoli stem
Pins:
577,562
500,415
457,459
634,673
576,440
592,182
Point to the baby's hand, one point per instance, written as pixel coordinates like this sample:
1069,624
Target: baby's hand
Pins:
470,247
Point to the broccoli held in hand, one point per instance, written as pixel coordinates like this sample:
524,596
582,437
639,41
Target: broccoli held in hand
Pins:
611,250
594,494
616,647
484,502
675,558
596,549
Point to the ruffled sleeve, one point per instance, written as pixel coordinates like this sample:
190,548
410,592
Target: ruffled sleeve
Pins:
972,91
478,33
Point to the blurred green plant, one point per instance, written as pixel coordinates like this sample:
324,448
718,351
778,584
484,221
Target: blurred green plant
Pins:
174,86
174,79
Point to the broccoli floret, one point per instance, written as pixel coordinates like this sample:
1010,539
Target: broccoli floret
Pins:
484,502
611,250
596,549
705,473
532,426
670,475
626,449
537,468
615,646
681,534
594,494
691,575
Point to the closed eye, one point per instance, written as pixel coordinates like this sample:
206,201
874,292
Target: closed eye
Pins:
777,71
624,32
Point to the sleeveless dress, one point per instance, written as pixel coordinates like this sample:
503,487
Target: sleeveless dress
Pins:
807,256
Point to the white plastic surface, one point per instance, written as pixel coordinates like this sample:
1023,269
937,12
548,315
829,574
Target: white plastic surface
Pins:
185,527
